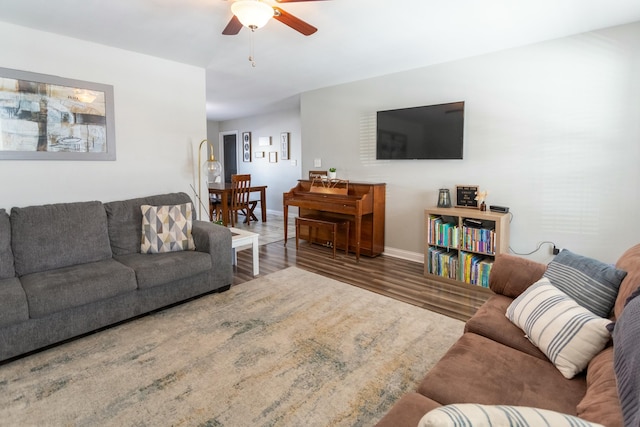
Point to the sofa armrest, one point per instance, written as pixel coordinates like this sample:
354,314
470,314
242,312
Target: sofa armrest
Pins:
215,240
512,275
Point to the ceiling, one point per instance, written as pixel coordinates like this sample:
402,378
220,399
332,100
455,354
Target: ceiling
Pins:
356,39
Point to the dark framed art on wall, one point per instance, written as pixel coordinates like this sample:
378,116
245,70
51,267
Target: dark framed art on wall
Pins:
246,146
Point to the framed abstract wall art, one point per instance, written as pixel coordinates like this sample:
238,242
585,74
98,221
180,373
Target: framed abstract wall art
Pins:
45,117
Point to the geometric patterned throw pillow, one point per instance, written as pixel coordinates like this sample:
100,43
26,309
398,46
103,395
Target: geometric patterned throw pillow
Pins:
567,333
166,228
592,283
474,415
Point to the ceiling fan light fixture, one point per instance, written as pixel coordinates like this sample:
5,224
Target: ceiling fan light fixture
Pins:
252,14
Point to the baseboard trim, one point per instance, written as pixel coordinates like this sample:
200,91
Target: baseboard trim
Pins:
402,254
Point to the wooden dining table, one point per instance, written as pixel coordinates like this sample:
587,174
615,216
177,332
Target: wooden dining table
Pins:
223,191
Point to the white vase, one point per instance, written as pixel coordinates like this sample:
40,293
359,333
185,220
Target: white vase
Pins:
332,175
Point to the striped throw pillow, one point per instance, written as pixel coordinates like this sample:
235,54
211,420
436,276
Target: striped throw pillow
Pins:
567,333
473,415
593,284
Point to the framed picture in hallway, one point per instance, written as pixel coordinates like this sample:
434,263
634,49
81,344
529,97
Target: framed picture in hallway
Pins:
263,141
44,117
273,157
246,146
284,146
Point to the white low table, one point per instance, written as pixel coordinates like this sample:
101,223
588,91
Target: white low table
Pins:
241,238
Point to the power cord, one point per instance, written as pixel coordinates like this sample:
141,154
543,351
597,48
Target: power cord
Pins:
555,249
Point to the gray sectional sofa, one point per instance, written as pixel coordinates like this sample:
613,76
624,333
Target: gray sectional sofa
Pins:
71,268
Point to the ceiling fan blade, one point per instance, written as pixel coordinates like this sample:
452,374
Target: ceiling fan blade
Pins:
296,23
233,27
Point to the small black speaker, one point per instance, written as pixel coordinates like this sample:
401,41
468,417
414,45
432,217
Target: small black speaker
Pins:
501,209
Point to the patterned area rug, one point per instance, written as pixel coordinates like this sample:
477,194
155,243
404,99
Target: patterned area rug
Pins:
288,349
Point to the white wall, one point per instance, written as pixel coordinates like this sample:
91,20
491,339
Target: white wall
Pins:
159,118
551,130
280,176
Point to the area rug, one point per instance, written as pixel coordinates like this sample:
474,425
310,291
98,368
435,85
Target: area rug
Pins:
292,348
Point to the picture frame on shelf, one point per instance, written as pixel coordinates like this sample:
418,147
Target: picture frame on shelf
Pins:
284,146
273,157
466,196
55,118
246,146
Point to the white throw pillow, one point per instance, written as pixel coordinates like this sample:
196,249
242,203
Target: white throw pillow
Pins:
567,333
473,415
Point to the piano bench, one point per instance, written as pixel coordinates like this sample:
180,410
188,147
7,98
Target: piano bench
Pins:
318,222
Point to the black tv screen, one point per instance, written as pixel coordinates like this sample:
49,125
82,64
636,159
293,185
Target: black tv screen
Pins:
429,132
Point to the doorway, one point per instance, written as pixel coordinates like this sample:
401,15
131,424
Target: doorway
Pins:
229,154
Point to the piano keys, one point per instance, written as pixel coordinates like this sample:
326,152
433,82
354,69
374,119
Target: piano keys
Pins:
363,206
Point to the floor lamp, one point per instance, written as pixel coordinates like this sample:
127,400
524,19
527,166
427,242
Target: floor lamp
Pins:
211,168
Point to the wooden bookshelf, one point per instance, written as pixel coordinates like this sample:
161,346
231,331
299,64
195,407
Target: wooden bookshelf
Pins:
461,244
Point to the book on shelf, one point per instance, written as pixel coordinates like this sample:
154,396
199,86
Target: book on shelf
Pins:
443,232
478,240
475,269
442,262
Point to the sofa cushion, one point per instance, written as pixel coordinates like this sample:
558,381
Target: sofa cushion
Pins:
125,220
157,269
49,237
490,321
166,228
591,283
13,302
511,275
629,262
569,334
478,370
6,256
474,415
56,290
601,404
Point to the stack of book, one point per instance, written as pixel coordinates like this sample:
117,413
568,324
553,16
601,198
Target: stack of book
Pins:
443,232
475,269
442,262
478,240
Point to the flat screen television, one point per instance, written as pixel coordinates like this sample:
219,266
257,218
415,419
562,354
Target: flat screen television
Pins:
428,132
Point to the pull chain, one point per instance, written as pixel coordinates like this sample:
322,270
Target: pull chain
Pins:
251,54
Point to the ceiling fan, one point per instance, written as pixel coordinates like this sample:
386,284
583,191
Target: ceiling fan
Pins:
254,14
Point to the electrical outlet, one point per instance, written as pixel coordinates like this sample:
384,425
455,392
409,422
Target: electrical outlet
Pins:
317,163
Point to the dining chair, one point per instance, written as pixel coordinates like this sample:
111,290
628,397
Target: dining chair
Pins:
215,208
240,186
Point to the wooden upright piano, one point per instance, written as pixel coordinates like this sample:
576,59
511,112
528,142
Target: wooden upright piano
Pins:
363,206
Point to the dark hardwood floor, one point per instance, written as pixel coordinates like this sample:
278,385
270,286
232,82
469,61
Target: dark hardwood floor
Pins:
393,277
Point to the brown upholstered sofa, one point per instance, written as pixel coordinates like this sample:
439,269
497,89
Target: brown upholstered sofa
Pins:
493,363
